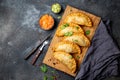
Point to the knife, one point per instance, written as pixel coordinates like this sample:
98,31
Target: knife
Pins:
37,45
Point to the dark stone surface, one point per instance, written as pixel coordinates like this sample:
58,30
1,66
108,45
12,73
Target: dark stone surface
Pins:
19,30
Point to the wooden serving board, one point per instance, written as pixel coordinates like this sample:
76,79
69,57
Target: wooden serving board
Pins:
49,60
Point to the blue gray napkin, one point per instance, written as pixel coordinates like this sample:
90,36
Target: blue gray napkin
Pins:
101,60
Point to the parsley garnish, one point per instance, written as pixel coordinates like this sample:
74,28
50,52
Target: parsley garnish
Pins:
45,78
77,27
75,40
64,26
52,77
87,32
68,34
78,57
44,68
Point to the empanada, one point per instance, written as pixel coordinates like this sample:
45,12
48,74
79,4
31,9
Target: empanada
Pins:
78,18
79,39
68,47
69,30
66,59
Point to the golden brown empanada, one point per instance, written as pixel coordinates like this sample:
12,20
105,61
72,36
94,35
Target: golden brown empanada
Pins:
79,39
66,59
68,47
78,18
69,29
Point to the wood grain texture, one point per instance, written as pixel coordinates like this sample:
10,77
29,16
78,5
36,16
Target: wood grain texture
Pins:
49,60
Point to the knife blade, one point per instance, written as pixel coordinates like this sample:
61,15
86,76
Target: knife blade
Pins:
36,46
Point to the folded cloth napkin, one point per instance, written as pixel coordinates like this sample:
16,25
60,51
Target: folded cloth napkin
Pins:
101,60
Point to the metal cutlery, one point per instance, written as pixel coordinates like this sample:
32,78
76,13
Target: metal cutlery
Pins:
37,45
39,51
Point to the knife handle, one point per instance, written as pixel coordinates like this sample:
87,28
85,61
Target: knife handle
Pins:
36,57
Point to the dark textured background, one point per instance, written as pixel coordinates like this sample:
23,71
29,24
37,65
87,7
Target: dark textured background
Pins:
19,30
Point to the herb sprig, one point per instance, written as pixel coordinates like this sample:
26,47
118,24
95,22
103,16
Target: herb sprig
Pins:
87,32
44,68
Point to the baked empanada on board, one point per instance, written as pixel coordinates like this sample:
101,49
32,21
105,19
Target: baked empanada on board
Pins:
51,61
68,47
79,39
78,18
66,59
68,29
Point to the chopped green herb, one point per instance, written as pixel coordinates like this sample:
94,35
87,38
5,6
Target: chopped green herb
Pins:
75,40
59,17
68,34
44,68
87,32
45,78
64,26
52,77
78,57
70,57
77,27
